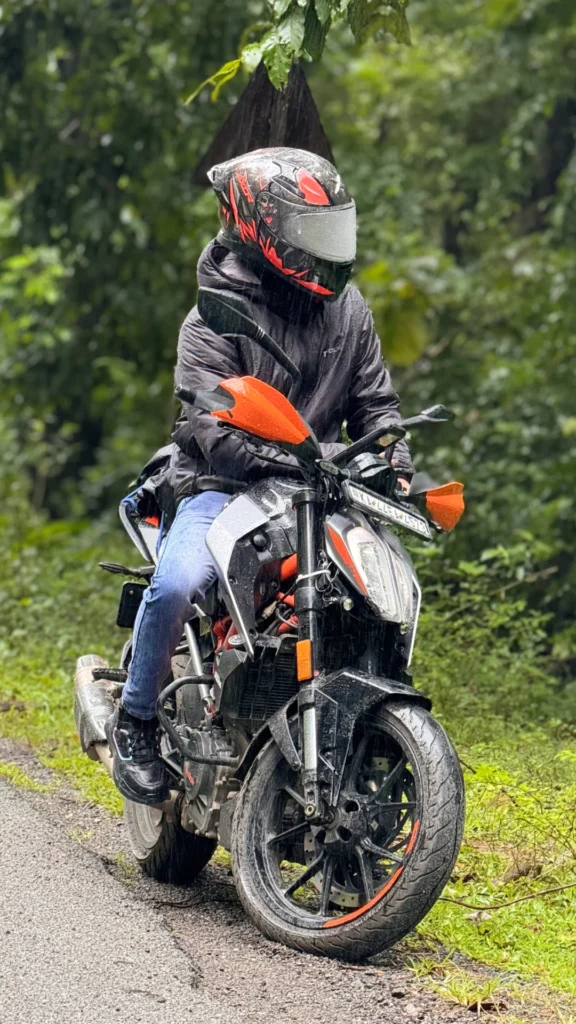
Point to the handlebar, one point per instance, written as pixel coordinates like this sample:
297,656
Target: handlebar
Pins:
390,433
384,436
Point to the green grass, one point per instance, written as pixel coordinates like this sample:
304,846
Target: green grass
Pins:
17,777
520,840
47,726
57,604
521,822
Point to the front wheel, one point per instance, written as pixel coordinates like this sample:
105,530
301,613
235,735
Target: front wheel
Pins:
354,886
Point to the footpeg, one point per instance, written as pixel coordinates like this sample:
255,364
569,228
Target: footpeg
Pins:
112,675
142,572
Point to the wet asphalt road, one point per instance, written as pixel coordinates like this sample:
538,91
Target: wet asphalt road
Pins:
74,947
84,942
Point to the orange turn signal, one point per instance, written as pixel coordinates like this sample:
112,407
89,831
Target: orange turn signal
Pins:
446,504
304,660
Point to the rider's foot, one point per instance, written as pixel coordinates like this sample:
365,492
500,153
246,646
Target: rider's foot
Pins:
138,772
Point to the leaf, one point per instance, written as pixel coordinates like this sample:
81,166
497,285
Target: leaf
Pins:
323,10
282,45
396,24
280,7
314,34
251,56
471,568
366,17
290,31
277,60
217,80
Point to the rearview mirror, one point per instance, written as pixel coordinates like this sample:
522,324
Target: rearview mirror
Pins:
227,313
436,414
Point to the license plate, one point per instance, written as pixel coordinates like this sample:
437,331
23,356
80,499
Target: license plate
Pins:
385,509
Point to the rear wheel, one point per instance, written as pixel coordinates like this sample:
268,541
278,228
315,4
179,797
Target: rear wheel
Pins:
163,849
356,885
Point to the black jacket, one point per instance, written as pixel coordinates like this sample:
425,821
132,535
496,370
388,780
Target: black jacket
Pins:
335,346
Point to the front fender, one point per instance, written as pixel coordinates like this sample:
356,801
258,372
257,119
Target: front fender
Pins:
341,698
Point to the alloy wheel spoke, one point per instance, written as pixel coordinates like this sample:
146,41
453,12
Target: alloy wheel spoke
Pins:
327,879
396,832
397,805
389,781
365,872
289,833
306,875
380,851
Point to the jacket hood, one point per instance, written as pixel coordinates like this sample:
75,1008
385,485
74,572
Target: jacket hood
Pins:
219,267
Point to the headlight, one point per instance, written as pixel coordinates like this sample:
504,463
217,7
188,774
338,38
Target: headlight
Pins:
386,578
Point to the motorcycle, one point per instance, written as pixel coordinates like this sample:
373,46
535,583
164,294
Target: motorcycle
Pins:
290,726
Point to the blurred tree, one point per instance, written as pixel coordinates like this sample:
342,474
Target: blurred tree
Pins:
97,151
460,152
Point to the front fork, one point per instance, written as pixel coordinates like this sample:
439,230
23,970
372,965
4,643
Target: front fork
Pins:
308,607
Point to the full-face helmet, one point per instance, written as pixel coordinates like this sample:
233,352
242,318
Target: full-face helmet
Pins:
290,211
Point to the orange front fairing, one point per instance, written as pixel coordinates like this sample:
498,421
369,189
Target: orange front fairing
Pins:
446,504
263,411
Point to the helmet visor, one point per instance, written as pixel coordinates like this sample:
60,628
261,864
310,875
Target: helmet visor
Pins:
328,232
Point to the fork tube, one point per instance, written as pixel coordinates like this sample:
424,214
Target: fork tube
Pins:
308,606
308,602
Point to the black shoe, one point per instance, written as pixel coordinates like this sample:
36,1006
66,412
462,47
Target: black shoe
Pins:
137,770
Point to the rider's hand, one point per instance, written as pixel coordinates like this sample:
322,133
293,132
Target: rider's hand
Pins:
404,484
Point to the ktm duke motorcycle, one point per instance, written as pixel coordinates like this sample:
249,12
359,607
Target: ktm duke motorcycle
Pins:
289,725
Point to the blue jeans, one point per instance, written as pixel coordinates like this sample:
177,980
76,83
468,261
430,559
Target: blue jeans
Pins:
184,574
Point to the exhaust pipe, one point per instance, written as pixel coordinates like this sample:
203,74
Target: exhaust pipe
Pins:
94,704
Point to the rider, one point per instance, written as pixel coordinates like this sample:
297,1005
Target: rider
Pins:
287,243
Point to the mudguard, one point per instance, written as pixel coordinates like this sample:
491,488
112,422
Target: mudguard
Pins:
340,698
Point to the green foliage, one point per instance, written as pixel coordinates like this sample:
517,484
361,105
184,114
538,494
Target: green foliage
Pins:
298,31
100,231
482,650
460,151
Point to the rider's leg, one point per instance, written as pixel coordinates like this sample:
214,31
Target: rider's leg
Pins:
184,573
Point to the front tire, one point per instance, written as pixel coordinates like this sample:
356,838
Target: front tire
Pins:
162,848
348,909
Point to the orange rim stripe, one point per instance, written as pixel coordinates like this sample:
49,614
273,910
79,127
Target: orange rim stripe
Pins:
379,895
367,906
413,837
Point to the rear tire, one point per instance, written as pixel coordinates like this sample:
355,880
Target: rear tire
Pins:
162,848
407,898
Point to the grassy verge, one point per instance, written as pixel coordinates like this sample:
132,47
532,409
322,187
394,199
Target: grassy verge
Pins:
57,605
521,823
520,841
